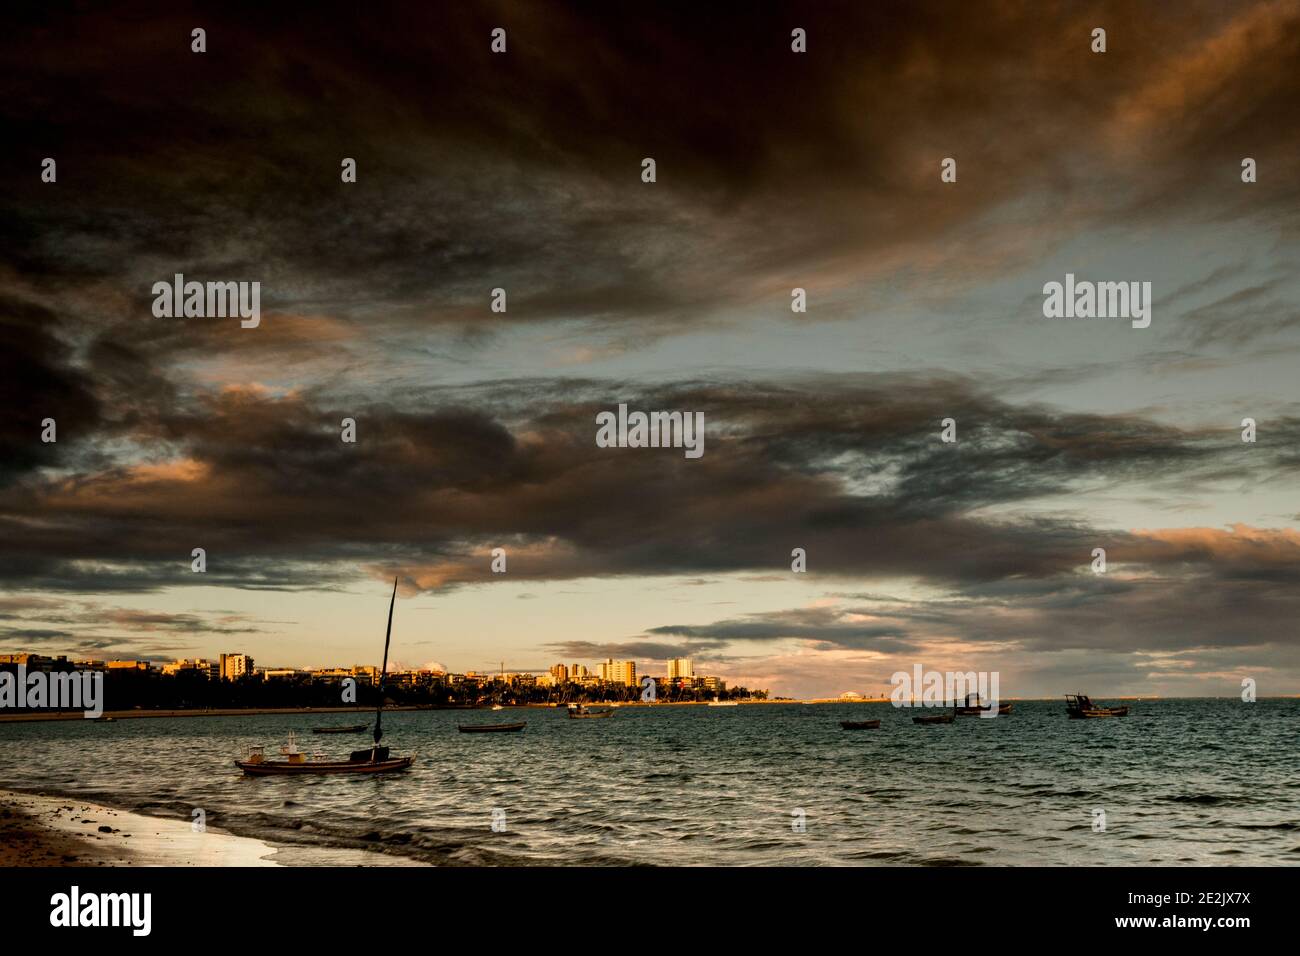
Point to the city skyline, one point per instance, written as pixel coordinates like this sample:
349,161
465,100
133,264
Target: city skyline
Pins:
475,417
245,663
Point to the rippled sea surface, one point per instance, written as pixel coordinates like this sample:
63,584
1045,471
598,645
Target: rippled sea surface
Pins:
1179,781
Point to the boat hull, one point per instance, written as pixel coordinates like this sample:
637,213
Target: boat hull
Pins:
595,716
935,719
1099,712
1003,710
860,724
491,728
356,729
282,768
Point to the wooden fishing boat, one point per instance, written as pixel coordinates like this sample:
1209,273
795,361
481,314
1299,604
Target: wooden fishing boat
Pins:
344,729
375,759
979,709
372,760
1080,706
583,712
860,724
933,719
491,728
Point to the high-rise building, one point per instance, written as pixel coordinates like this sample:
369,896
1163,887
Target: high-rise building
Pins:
618,672
235,666
680,667
578,672
560,673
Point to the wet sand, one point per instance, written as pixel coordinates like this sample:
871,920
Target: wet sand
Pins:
38,830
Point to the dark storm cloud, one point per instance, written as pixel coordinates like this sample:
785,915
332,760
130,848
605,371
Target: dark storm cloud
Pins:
825,626
32,635
39,382
88,626
521,171
1223,614
859,478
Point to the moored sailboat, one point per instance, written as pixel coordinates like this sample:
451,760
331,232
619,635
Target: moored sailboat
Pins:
492,728
979,708
342,729
1080,706
860,724
583,712
374,759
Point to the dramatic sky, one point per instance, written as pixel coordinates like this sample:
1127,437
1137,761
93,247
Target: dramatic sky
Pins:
476,430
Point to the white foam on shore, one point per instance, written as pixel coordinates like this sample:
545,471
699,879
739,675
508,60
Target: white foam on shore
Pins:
139,840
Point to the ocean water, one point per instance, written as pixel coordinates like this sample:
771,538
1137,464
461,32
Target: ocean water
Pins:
1210,782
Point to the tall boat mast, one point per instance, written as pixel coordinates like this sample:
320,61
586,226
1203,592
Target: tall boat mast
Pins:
383,673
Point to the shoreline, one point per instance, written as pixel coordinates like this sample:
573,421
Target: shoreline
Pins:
43,830
266,711
214,712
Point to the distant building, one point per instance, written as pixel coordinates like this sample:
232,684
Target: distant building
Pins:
233,666
560,673
407,678
618,672
331,673
680,667
30,661
127,665
199,665
578,672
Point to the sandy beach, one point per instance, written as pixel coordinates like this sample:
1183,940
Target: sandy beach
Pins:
39,830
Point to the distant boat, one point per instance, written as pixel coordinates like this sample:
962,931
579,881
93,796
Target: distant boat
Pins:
977,709
103,720
860,724
342,729
374,759
1080,706
491,728
497,707
933,719
583,712
718,702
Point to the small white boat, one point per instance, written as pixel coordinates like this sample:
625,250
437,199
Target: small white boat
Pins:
723,703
